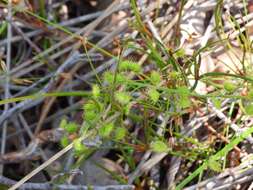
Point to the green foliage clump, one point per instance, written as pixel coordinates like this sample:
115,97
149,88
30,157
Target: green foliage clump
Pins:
154,95
79,147
120,133
70,127
250,94
128,65
106,130
229,86
184,97
214,165
110,78
95,91
64,141
91,110
159,146
155,78
249,109
122,97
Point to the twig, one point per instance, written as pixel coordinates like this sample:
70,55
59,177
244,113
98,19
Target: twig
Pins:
69,22
50,118
172,171
17,126
212,130
53,135
33,45
226,179
7,81
31,135
46,186
30,103
115,6
23,35
146,166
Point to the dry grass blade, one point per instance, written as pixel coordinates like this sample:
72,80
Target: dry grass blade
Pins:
41,167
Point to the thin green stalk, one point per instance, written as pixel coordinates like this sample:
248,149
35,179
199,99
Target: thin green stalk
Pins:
91,64
51,94
215,74
177,30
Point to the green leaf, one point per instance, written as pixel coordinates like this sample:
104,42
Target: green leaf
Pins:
217,102
155,78
64,141
250,94
122,97
3,27
183,91
90,115
154,95
128,65
90,106
71,127
95,91
79,147
120,78
214,165
184,97
91,110
229,86
249,109
159,146
127,108
180,53
106,130
174,75
120,133
63,123
184,102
